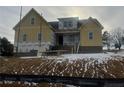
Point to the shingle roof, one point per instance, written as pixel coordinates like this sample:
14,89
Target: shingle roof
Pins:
54,24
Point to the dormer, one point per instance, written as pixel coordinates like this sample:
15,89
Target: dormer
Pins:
68,23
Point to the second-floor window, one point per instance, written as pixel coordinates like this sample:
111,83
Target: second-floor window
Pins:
90,35
65,24
68,24
24,37
32,20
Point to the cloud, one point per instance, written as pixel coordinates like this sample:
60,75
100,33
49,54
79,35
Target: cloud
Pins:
109,17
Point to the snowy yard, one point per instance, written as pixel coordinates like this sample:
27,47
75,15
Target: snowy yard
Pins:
112,47
97,65
100,57
28,84
93,65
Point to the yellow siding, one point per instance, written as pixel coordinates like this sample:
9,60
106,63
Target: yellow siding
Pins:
32,30
97,35
16,36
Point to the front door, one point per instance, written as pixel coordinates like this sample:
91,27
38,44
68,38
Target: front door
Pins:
60,39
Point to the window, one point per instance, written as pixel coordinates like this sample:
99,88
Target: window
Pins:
24,37
90,35
70,24
71,38
32,20
39,36
65,24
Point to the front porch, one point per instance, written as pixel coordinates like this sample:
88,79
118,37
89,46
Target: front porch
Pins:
67,41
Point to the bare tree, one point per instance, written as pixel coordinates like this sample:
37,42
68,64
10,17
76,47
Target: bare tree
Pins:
106,39
117,36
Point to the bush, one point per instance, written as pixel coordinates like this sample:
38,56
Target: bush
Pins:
6,48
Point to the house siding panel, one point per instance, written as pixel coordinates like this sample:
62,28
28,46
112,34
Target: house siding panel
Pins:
84,35
31,31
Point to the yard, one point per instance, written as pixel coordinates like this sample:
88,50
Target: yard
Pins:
97,65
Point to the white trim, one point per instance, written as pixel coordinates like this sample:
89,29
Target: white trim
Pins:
31,46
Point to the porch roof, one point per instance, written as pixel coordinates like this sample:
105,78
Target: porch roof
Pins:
67,32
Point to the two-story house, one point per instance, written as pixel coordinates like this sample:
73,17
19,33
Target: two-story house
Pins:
33,32
80,35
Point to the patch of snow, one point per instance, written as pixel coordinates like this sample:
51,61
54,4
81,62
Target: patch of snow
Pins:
33,71
70,74
30,57
112,47
5,59
34,84
70,86
32,66
85,69
22,69
52,74
121,52
8,82
105,69
19,82
26,83
122,47
112,75
93,56
1,82
59,61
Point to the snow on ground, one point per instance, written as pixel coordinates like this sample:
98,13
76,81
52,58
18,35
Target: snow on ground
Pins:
100,57
112,47
30,57
93,56
84,56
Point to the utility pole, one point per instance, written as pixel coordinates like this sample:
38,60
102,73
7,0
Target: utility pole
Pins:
19,31
40,31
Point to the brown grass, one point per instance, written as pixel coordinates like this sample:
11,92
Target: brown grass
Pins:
79,68
27,84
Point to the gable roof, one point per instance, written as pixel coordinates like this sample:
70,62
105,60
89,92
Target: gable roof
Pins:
96,21
32,10
55,24
89,20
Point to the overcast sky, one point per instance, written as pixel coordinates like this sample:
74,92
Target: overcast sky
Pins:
110,17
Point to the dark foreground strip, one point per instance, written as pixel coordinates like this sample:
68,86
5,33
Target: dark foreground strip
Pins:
76,81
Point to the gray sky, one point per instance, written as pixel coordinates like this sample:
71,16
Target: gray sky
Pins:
110,17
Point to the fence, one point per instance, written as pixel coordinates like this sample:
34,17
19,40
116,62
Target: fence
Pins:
76,81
